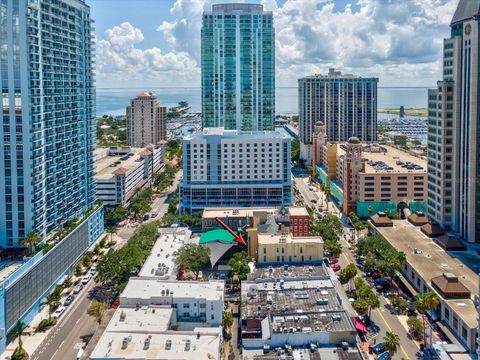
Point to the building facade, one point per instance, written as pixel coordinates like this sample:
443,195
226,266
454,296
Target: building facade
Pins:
283,248
371,178
48,125
238,67
146,120
121,171
235,168
454,130
24,285
346,104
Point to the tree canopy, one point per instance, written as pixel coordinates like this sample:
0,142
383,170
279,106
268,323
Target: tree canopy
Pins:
239,263
192,257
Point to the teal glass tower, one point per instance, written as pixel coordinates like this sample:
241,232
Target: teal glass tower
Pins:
48,120
238,67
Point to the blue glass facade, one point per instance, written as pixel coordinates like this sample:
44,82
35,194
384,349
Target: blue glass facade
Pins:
238,67
48,121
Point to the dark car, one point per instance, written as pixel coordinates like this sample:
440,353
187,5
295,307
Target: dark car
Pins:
68,300
379,348
146,217
384,356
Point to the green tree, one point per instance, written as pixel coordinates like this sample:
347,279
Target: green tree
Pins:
97,310
392,342
333,247
113,217
239,264
111,230
17,332
432,302
140,205
421,306
172,204
52,301
415,326
296,149
68,281
31,240
227,321
78,269
192,257
347,274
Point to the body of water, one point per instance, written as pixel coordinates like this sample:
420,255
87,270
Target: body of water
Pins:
114,101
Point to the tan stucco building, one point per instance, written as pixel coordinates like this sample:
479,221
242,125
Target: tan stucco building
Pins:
281,248
146,120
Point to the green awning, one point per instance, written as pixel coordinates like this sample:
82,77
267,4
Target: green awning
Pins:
217,235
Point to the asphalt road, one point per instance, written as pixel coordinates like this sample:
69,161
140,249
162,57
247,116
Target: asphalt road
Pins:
63,342
75,325
308,195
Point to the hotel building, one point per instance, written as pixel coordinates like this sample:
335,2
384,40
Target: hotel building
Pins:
368,178
48,128
146,120
345,103
238,67
235,168
454,130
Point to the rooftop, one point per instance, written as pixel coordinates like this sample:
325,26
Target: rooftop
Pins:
8,267
150,290
430,261
147,319
334,74
278,133
270,273
241,212
201,343
388,159
287,238
107,167
160,262
330,353
297,211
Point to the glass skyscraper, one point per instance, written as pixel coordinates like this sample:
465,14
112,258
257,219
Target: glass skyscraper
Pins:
238,67
48,124
454,129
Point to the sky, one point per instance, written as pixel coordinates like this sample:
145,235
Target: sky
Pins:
156,43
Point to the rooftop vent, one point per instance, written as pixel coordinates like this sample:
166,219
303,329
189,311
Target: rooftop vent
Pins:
168,344
122,316
146,344
187,345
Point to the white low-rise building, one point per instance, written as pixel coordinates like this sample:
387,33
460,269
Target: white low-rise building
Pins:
121,171
160,264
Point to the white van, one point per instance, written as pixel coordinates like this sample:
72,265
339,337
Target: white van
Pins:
154,213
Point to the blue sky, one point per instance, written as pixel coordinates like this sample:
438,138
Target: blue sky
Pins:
157,42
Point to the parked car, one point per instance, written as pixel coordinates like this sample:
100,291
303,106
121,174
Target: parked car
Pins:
146,217
333,260
93,270
336,267
77,288
376,275
379,348
58,312
86,279
68,300
384,356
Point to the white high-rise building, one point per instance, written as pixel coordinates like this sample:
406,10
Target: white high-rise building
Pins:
454,129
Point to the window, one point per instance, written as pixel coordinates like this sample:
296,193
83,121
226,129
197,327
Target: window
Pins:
186,306
212,317
446,313
202,306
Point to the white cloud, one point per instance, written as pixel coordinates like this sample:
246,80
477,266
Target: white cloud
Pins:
373,37
121,63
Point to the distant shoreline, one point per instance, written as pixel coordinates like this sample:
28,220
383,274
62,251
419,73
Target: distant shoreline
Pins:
408,111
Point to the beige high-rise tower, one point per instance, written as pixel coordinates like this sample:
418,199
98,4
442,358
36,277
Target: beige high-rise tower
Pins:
146,120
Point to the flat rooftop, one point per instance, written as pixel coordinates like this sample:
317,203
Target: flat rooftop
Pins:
270,273
330,353
278,133
105,166
240,212
201,343
287,238
380,161
297,211
146,288
146,319
8,267
430,261
160,263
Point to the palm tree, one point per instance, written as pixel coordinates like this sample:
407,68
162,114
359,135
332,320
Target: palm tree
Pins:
97,310
111,230
432,302
421,307
52,301
392,342
17,332
31,240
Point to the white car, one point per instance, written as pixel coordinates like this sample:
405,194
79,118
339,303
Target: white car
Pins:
86,279
93,270
58,312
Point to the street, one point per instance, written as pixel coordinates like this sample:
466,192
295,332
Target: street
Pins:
75,326
65,339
